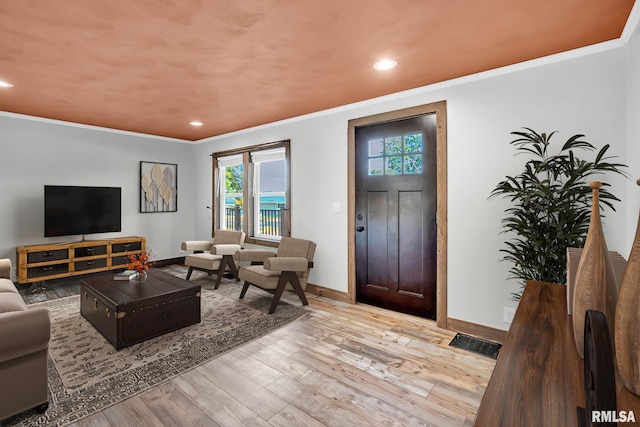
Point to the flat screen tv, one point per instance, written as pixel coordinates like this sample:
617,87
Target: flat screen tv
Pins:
75,210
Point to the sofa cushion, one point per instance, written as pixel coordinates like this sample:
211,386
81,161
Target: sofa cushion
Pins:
5,268
265,279
260,276
253,255
290,246
24,333
10,301
226,249
222,237
206,261
7,285
195,245
298,264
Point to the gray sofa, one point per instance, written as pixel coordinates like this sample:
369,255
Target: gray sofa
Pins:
24,343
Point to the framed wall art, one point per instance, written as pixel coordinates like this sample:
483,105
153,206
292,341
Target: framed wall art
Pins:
158,187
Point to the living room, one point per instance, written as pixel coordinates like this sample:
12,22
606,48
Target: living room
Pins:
589,92
594,90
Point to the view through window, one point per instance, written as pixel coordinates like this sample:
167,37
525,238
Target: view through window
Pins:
252,191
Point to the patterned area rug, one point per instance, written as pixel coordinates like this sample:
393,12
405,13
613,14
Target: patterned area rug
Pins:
86,374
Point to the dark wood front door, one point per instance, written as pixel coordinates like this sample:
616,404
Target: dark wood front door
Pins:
395,211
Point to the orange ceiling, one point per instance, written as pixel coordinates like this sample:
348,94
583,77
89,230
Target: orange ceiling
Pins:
152,66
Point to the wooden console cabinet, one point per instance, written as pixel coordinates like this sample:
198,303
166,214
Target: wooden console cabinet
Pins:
53,261
538,379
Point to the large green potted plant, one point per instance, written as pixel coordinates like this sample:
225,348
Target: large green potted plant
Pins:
551,202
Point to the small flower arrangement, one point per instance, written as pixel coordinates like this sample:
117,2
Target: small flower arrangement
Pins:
140,262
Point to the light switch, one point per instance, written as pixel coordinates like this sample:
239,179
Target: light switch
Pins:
335,207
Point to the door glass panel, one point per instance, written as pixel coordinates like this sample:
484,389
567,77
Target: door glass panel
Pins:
375,166
393,165
375,148
413,163
393,145
413,143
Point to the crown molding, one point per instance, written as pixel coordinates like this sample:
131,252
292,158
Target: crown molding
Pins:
632,23
91,127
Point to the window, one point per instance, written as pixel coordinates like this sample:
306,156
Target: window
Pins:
232,194
251,191
396,155
269,192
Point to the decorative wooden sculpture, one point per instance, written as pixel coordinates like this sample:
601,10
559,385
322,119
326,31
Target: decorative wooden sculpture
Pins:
627,323
595,287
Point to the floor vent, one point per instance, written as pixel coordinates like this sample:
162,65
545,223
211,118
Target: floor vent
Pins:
476,345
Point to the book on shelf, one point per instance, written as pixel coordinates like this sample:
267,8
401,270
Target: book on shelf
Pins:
125,275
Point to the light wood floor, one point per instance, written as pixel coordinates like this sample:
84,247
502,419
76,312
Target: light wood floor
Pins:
341,365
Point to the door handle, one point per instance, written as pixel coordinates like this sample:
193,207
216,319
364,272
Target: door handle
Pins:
360,229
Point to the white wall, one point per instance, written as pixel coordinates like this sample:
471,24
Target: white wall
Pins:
35,153
633,137
584,95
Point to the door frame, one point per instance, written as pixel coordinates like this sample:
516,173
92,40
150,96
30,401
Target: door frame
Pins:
440,109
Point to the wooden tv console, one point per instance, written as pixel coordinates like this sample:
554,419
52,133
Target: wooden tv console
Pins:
56,260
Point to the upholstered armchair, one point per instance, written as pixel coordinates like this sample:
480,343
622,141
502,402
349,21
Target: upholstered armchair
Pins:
214,256
288,268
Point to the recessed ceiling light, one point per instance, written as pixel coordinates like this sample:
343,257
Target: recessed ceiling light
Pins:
196,123
5,84
385,64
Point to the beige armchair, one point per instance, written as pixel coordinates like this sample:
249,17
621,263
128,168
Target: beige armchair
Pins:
286,269
214,256
24,344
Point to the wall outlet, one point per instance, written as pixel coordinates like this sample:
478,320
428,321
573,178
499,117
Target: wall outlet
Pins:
509,312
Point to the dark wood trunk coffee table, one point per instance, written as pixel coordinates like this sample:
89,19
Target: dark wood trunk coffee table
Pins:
126,312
